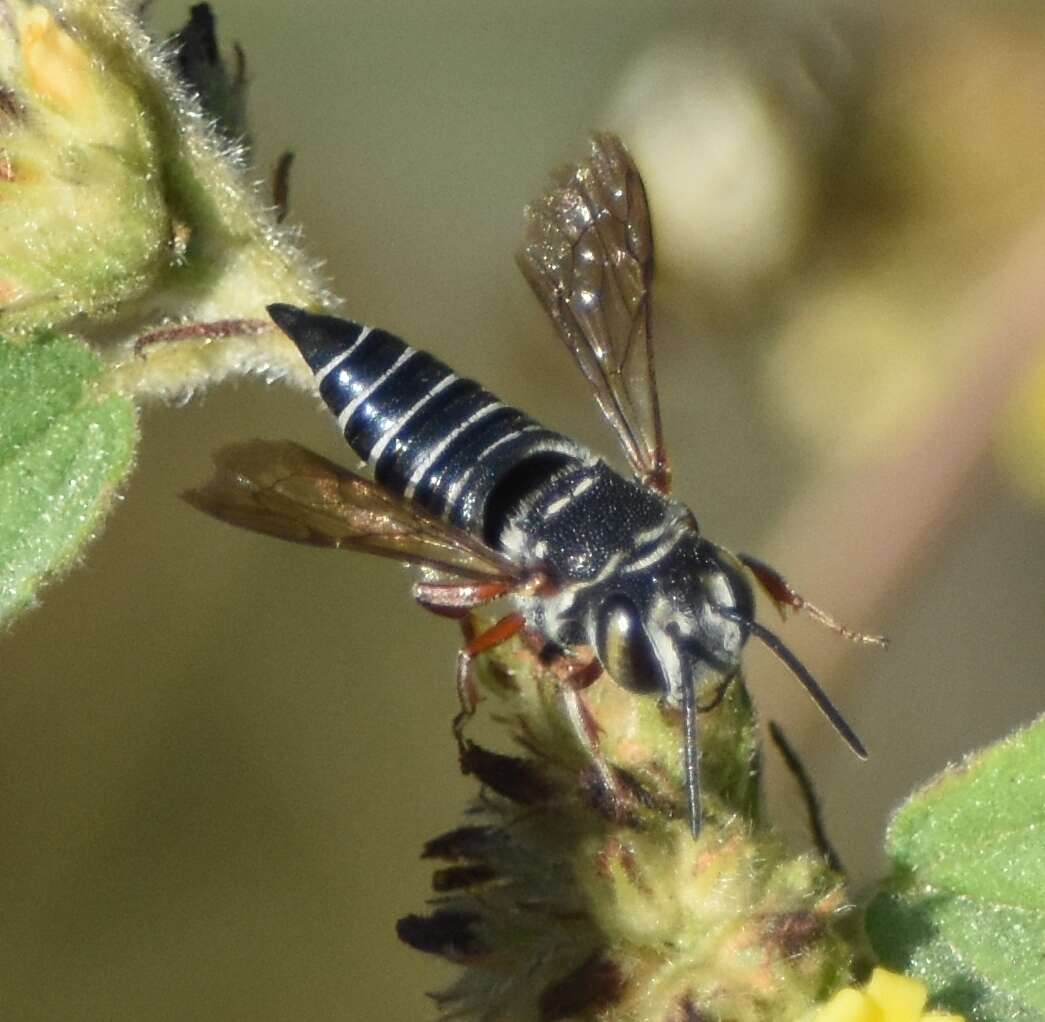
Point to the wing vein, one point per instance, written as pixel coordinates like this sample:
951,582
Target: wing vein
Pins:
588,255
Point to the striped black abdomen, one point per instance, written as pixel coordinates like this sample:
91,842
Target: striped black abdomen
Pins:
426,433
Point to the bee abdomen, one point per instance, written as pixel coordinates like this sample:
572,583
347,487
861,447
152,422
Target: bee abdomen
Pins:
427,434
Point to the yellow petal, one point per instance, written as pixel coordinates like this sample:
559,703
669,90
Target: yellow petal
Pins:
849,1005
900,998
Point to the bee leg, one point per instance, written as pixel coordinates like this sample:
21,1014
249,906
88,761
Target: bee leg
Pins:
458,599
779,590
502,631
586,729
578,673
575,675
575,670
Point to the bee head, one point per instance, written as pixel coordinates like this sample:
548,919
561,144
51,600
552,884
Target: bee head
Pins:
664,630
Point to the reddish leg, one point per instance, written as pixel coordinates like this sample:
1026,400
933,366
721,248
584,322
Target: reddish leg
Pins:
586,728
502,631
785,598
576,672
580,673
573,668
456,599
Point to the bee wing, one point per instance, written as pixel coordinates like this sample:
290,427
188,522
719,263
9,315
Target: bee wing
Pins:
588,255
285,490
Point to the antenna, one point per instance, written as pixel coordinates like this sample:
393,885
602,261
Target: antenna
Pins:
776,646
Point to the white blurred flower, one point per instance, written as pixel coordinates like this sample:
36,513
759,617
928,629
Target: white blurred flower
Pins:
727,167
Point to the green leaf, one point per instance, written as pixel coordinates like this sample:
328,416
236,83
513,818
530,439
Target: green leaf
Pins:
966,907
64,447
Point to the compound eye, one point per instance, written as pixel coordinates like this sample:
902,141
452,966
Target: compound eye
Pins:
625,649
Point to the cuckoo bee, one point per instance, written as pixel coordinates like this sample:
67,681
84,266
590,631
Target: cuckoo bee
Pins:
498,507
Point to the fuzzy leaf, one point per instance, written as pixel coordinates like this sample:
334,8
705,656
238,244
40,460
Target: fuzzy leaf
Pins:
64,447
966,908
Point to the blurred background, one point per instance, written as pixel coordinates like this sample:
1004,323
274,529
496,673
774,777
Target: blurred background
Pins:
220,755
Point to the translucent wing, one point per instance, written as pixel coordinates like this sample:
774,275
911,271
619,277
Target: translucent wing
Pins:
284,490
588,255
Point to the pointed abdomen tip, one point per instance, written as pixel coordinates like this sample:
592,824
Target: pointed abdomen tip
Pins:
286,317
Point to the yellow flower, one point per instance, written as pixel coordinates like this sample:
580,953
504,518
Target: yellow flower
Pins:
888,997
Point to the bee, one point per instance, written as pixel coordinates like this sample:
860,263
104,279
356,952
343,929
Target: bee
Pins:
598,571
